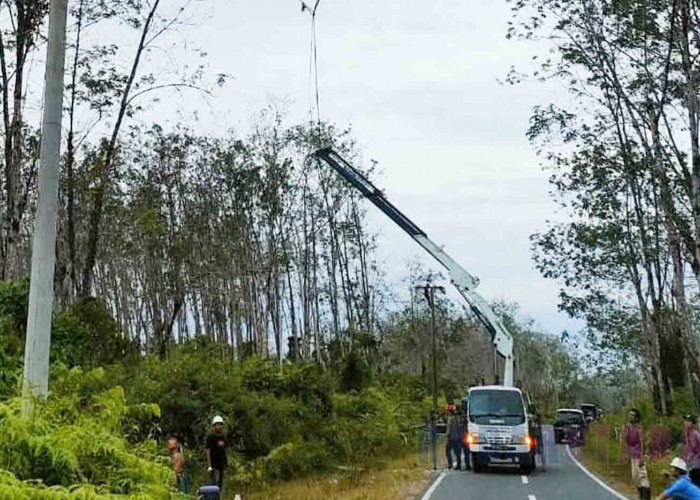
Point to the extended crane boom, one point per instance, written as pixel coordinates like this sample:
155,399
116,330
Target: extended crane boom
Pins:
462,280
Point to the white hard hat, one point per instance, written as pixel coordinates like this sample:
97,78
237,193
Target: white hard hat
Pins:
217,420
679,463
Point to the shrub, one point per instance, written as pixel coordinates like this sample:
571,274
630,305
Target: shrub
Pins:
76,441
292,460
85,324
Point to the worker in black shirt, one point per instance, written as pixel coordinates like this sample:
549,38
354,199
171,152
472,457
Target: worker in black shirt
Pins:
216,452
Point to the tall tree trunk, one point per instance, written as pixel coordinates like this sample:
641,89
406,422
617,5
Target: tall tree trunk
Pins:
107,159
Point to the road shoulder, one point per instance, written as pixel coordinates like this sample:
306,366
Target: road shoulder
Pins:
599,471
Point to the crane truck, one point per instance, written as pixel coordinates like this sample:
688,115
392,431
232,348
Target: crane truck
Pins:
501,426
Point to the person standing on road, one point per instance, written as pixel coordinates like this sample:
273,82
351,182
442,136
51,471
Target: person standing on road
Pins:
633,447
691,443
454,439
216,452
463,445
682,488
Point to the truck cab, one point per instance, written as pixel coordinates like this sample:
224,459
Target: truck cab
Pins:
499,428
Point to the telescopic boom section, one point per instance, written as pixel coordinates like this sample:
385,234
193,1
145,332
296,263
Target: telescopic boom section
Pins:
461,279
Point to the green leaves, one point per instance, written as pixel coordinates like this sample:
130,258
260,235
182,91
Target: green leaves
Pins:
74,444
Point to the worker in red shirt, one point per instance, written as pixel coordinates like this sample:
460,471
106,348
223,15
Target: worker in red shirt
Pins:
633,449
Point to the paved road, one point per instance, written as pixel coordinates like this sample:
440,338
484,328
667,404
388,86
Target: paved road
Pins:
562,479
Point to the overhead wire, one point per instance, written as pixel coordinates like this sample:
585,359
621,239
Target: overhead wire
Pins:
313,87
314,94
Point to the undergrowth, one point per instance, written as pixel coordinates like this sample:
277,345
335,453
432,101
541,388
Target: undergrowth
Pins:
74,446
102,431
663,441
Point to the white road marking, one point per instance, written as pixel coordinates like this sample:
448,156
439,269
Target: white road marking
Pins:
434,486
525,479
589,474
531,497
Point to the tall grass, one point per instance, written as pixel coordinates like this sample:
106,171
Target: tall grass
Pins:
663,439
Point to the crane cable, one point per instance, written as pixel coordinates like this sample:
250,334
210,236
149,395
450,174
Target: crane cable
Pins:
313,65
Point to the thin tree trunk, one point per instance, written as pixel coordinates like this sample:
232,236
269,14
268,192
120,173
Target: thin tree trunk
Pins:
106,161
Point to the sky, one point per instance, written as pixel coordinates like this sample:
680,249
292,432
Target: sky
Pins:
420,84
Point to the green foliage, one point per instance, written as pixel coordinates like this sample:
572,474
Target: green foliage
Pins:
292,460
283,421
75,334
85,324
13,320
14,303
356,373
75,444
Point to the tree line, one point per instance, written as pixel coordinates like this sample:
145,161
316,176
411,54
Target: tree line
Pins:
241,237
623,149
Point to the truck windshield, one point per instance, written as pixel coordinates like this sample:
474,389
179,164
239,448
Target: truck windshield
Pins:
496,408
588,410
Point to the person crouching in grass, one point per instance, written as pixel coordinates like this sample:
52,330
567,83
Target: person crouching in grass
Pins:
682,488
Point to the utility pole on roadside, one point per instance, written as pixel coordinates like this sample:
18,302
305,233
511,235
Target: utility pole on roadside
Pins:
36,355
429,292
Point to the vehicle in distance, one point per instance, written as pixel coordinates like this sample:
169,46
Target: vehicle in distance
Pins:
498,428
590,411
565,420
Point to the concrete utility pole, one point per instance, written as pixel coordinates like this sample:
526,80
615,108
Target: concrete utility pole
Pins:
36,354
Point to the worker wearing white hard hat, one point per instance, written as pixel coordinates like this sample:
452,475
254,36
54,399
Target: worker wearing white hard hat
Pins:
216,452
682,488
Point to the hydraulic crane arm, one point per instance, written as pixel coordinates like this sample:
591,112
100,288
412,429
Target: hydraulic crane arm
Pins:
460,278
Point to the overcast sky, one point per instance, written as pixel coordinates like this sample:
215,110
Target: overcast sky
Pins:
419,83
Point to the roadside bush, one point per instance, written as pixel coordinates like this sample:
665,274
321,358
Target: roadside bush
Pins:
96,436
77,441
293,460
274,411
364,428
262,422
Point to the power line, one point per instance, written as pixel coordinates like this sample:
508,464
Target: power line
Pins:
313,63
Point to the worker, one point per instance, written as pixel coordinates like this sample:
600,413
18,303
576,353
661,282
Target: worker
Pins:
682,488
691,444
178,457
463,426
216,452
454,438
633,448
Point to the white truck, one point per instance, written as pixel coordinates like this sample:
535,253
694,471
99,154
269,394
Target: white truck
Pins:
501,428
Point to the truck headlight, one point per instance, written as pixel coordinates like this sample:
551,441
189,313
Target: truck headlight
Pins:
527,440
470,438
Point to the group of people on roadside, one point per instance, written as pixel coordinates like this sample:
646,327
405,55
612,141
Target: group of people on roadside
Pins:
685,471
216,444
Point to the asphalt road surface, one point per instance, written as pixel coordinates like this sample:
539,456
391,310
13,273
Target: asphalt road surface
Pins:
562,479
